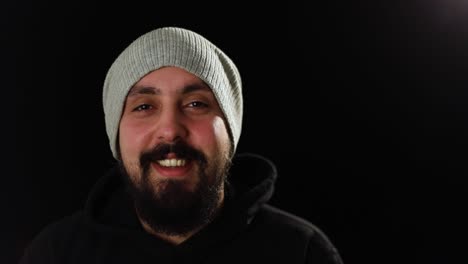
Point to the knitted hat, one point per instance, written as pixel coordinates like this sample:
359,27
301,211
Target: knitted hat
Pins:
172,46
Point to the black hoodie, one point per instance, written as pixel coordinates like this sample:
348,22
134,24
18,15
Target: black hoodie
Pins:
246,231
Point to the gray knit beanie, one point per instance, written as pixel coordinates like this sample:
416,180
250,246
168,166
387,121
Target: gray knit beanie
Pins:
172,46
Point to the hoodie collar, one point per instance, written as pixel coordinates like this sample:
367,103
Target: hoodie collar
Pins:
251,184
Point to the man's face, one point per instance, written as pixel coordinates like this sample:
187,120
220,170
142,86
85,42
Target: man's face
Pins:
174,147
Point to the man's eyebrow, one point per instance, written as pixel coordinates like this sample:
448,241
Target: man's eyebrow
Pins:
144,90
195,87
137,90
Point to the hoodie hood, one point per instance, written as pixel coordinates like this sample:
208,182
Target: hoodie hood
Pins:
251,185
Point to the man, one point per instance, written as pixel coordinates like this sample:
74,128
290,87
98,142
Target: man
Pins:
179,194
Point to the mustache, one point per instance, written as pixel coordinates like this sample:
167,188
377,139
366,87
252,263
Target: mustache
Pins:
181,149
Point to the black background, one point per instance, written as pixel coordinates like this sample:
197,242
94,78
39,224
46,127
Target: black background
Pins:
361,104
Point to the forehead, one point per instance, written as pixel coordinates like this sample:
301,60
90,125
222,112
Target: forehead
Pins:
169,80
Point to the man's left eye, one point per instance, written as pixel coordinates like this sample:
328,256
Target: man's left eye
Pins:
197,104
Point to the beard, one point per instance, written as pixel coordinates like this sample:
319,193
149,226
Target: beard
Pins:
169,206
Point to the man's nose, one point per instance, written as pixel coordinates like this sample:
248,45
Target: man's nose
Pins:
170,126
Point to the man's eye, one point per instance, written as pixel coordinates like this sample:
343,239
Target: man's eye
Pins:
197,104
142,107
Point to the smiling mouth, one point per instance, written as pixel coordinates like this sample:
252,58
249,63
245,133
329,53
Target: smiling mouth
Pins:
172,163
173,167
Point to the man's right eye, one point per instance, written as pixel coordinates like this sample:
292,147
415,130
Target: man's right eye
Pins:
142,107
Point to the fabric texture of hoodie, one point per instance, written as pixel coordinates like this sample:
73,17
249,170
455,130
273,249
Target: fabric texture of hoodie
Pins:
247,230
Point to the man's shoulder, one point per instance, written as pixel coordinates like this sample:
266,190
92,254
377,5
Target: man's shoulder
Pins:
296,236
281,220
279,225
61,229
47,245
68,222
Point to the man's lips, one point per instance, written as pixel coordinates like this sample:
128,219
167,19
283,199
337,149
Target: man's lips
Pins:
172,163
172,167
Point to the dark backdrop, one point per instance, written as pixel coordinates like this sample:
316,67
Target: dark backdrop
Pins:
361,104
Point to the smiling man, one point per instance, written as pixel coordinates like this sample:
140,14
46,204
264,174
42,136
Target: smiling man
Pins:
177,185
179,192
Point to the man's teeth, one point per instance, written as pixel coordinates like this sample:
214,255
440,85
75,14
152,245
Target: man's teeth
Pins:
171,162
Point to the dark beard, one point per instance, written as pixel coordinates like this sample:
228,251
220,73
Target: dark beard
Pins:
169,208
